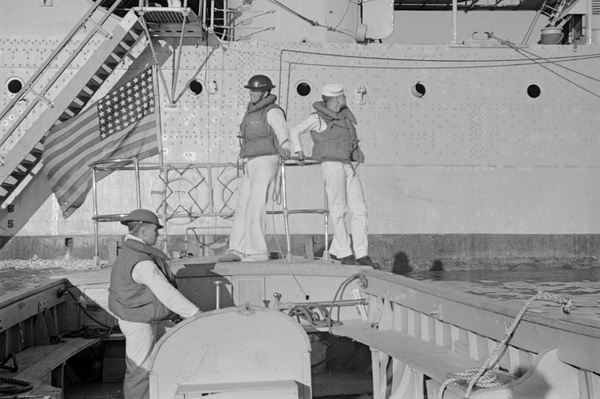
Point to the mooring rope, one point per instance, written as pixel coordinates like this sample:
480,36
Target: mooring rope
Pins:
309,313
483,377
18,386
14,368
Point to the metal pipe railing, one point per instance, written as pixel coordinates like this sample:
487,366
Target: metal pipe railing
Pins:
112,165
33,80
286,211
132,164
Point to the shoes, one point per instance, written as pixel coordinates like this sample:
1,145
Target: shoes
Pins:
366,261
349,260
232,256
256,258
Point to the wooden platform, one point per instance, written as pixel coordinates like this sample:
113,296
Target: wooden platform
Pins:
95,390
43,365
341,383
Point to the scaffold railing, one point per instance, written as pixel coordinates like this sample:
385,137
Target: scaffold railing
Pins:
188,191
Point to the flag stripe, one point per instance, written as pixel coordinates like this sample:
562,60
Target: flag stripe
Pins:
120,125
66,147
97,150
67,129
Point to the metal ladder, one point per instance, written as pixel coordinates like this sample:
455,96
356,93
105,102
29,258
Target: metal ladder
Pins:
53,96
554,12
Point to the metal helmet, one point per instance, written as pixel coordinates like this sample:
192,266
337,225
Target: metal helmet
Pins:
260,82
141,215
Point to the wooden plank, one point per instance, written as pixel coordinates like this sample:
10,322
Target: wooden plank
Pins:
14,297
578,344
341,383
14,312
424,295
285,389
48,357
194,267
38,361
41,391
430,359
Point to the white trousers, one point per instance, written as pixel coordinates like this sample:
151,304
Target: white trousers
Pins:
345,193
248,233
139,342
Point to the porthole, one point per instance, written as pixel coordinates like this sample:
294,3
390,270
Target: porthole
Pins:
534,91
303,89
14,85
196,87
419,90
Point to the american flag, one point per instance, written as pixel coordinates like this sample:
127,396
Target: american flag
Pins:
120,125
126,105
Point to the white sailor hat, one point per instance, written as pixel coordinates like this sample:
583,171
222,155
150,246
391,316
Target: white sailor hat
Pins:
333,90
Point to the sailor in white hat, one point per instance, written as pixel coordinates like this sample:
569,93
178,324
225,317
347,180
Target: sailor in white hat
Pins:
336,146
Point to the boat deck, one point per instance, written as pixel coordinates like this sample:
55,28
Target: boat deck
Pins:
517,285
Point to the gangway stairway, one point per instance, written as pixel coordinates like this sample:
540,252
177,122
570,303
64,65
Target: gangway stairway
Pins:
554,11
49,101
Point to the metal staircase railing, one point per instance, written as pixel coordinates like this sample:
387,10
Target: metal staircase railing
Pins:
48,100
59,90
553,10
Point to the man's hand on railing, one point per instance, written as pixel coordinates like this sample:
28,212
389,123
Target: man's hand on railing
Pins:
300,158
284,153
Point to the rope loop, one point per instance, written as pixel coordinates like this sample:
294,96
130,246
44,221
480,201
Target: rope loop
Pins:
565,300
483,377
315,314
18,386
278,184
14,368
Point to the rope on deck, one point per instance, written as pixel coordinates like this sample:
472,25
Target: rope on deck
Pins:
315,314
483,377
18,386
14,367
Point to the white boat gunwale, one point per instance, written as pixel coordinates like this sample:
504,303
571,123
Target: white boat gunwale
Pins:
578,344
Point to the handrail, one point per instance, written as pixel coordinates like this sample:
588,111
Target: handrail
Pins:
28,86
144,4
112,217
125,164
286,212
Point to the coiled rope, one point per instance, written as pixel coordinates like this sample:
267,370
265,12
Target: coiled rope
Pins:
18,386
315,314
483,377
14,368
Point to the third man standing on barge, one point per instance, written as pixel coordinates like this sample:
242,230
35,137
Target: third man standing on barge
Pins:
264,137
336,145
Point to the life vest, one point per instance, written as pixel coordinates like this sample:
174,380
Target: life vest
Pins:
129,300
257,137
338,140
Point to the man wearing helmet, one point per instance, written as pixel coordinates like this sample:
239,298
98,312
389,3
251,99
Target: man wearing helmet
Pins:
336,145
264,137
143,292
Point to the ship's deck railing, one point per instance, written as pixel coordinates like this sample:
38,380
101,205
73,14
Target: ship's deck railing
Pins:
194,209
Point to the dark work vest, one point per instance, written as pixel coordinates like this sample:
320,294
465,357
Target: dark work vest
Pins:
257,137
337,141
129,300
